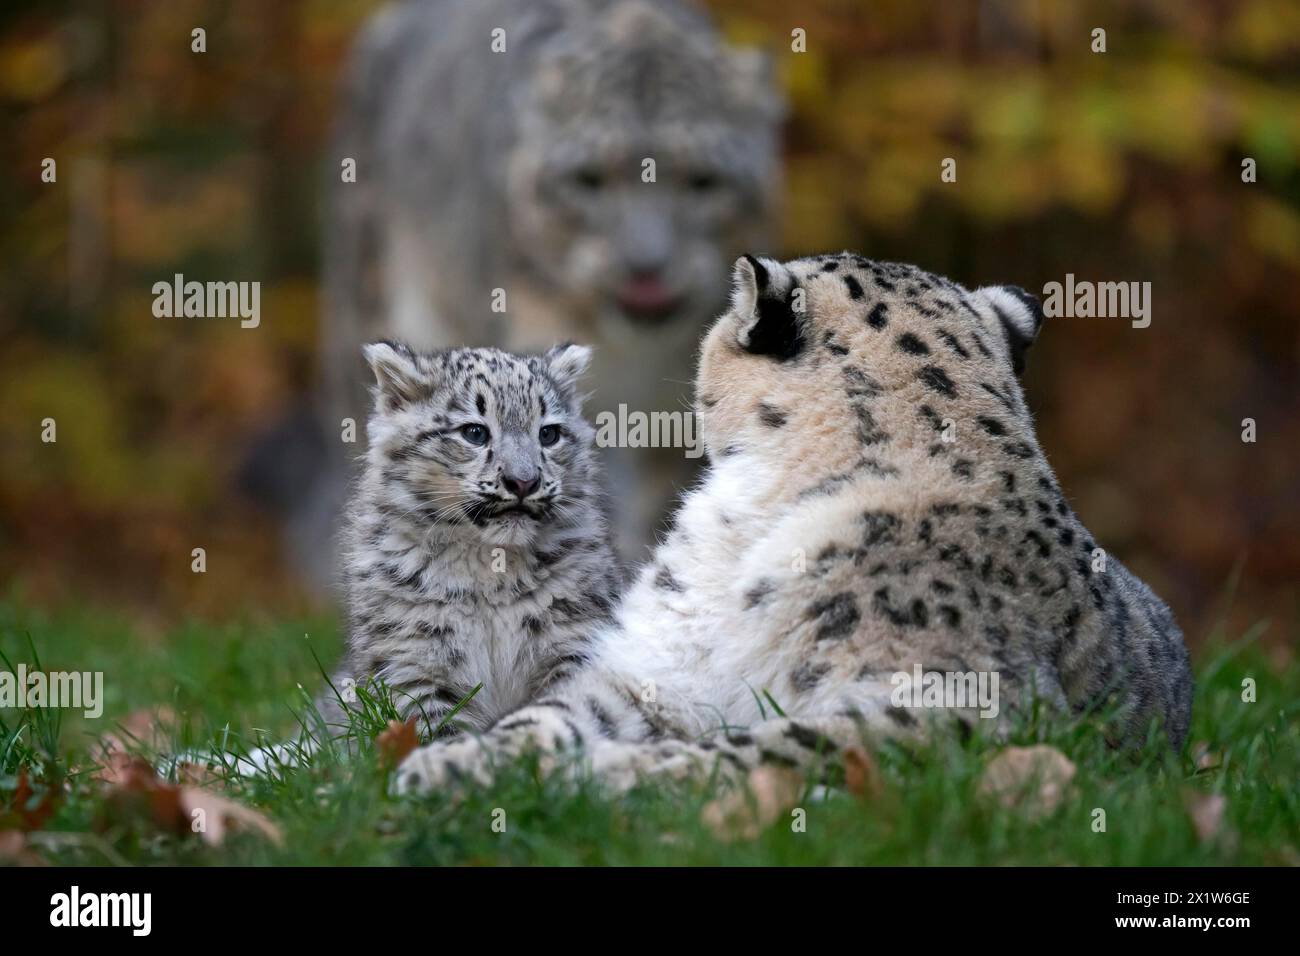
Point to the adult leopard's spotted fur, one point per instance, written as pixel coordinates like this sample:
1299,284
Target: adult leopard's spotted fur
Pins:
839,539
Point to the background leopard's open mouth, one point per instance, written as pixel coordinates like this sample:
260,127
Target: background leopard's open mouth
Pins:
648,300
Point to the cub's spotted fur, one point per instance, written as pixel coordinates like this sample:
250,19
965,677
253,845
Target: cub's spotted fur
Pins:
839,539
477,547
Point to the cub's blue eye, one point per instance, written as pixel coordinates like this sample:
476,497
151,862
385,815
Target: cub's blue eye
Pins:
475,434
549,434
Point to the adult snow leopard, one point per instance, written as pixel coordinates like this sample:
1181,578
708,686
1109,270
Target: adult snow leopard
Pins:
477,548
534,171
840,537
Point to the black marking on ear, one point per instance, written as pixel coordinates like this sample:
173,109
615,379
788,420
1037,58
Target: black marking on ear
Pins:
761,276
1031,304
777,331
1017,337
1019,345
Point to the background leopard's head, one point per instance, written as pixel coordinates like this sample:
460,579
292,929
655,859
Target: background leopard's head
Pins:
479,438
617,84
841,365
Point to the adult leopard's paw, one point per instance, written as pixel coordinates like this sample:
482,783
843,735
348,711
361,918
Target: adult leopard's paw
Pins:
439,766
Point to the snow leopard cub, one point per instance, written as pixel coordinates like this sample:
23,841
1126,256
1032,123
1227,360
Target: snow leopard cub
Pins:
476,546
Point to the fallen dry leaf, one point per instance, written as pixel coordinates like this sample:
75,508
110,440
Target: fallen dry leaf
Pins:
742,813
115,767
25,813
138,793
14,850
1206,813
135,792
212,816
1033,779
862,774
398,740
147,730
1204,757
197,775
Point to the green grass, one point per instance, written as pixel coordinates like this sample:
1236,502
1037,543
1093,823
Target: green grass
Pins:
235,682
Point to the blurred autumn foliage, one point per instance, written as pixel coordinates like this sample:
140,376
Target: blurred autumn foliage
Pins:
1116,166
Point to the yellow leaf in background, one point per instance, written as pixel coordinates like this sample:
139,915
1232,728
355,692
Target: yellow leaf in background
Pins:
812,219
1004,185
1089,176
921,93
806,80
32,70
1011,111
1274,229
1154,224
1263,29
1170,105
889,191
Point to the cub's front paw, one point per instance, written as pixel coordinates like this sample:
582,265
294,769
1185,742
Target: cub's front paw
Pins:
436,766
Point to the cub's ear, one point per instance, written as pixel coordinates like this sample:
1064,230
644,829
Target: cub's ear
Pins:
761,294
565,363
398,378
1021,315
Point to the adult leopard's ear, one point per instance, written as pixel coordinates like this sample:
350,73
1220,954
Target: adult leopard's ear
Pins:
749,80
398,377
565,364
762,300
1021,315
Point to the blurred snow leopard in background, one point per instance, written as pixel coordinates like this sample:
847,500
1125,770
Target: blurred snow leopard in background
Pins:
501,152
